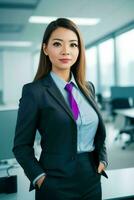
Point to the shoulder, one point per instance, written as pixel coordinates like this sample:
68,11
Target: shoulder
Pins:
33,84
33,88
91,87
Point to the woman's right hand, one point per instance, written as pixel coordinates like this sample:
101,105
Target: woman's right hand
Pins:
40,181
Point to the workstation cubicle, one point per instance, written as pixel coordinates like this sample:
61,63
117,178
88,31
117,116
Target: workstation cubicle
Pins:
122,97
8,182
8,116
122,107
12,177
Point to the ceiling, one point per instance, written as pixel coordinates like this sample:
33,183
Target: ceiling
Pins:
14,17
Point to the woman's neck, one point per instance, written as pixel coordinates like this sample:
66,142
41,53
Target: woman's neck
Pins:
65,75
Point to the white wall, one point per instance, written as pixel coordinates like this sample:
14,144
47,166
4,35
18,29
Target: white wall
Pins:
17,70
1,70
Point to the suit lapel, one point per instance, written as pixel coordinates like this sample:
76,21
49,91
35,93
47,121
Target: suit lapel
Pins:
90,99
54,91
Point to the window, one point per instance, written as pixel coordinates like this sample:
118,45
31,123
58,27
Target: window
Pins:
106,63
125,58
35,62
91,66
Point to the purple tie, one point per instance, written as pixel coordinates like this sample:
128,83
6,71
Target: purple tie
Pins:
72,102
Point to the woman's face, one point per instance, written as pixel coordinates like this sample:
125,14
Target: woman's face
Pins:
62,49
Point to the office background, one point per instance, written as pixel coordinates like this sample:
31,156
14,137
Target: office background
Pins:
109,44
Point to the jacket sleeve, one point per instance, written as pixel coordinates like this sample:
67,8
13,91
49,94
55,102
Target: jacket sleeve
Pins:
26,126
102,152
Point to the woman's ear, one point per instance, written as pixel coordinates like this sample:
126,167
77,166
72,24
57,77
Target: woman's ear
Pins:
45,49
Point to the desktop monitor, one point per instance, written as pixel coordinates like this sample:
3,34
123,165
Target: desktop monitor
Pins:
7,130
8,120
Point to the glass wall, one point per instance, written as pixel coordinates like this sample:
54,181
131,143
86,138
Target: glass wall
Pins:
91,66
106,62
35,62
106,67
125,58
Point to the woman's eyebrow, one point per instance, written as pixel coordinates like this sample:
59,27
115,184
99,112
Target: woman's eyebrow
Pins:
58,39
62,40
73,40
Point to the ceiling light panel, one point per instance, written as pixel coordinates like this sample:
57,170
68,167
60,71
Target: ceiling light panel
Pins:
78,21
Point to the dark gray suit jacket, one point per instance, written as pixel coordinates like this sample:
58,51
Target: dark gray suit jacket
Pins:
43,107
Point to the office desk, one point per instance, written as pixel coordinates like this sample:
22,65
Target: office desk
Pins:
22,184
125,112
8,107
119,185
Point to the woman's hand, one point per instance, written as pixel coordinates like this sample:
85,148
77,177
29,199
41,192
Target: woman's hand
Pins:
101,167
40,181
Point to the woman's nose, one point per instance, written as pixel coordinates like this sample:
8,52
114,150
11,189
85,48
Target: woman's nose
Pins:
65,50
65,53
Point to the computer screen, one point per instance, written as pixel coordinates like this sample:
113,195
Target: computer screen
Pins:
8,120
7,130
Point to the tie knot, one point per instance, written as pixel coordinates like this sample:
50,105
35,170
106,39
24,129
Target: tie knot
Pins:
69,87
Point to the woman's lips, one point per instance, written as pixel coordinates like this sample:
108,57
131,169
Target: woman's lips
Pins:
64,60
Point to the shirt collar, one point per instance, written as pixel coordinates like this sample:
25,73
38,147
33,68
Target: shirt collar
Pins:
73,80
62,82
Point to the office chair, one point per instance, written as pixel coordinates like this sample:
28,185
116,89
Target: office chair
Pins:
130,131
124,126
119,103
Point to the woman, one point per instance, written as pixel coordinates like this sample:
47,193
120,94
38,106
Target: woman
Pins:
60,104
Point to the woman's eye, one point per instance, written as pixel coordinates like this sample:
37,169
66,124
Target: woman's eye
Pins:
56,44
74,45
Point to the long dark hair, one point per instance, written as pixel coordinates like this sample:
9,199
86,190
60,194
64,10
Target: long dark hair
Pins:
78,69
